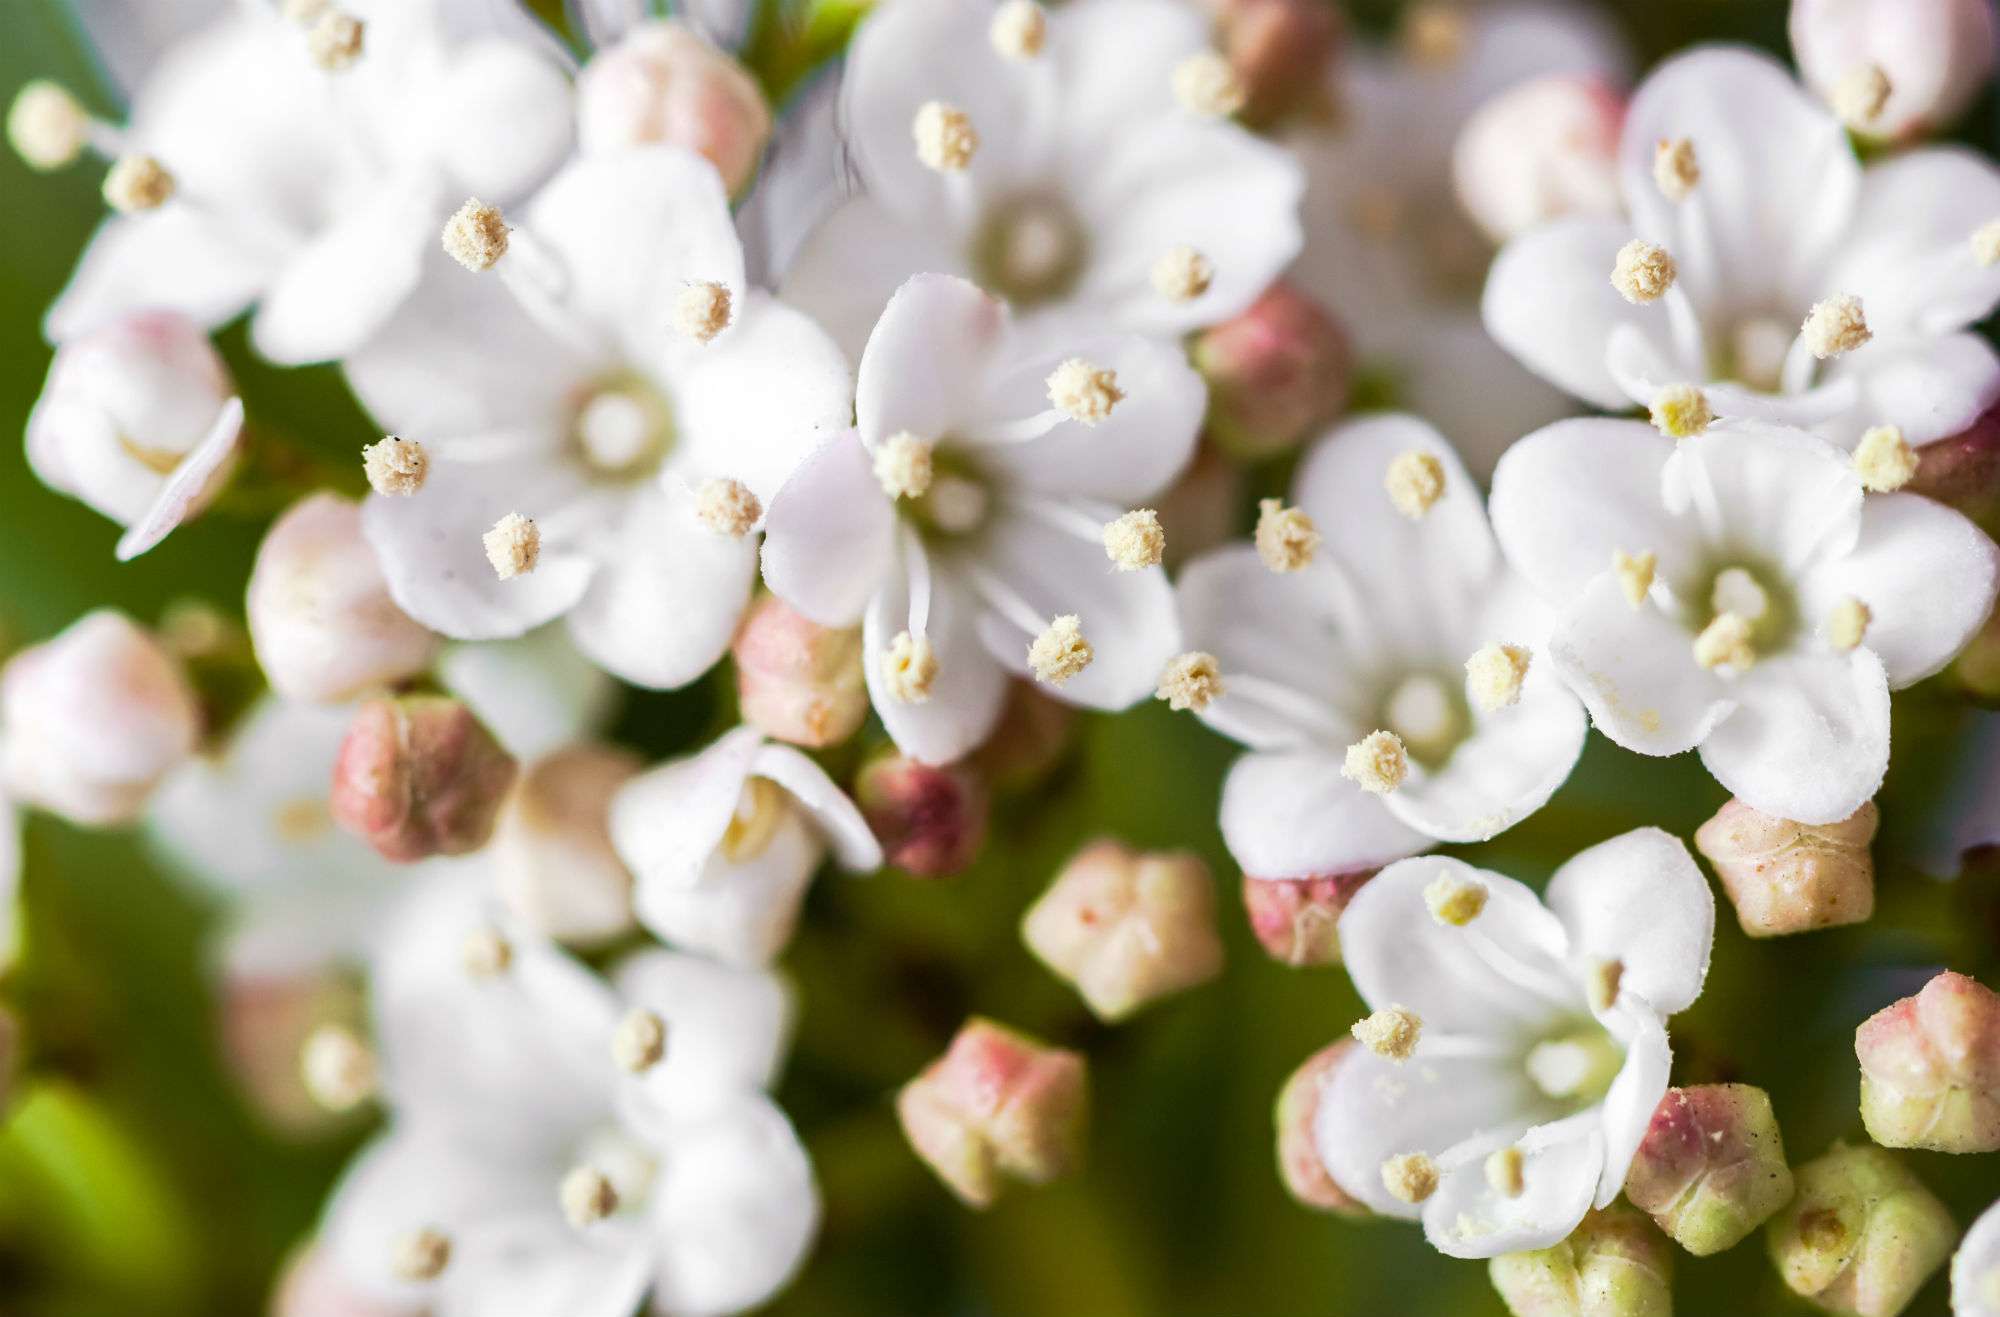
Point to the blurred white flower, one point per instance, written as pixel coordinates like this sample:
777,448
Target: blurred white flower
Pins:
1975,1269
1935,55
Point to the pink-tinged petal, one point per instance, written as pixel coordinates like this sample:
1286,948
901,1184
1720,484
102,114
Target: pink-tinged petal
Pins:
1638,899
927,364
666,822
1293,815
189,487
1561,1165
174,257
334,292
1909,255
838,818
1634,669
1810,738
1783,494
1929,388
727,1029
971,686
1635,1094
855,259
1550,302
1506,770
829,535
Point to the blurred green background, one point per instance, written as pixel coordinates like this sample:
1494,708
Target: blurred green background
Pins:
133,1180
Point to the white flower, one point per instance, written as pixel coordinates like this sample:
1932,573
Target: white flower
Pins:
1780,223
1936,56
1086,171
1543,1029
534,1163
562,385
999,534
315,194
1392,254
1374,634
1740,636
1975,1269
721,844
536,694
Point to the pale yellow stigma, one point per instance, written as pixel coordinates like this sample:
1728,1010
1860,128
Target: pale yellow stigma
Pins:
335,40
1681,411
1494,675
1455,901
587,1197
1737,591
1019,29
945,137
486,954
1601,981
1135,540
1206,84
1635,574
1676,170
1410,1178
640,1041
1986,244
903,465
727,507
1837,326
1506,1171
1183,274
1390,1033
1643,272
1060,652
1377,763
395,467
137,183
1415,481
1433,35
338,1068
1084,392
513,546
1191,681
1884,460
476,235
1286,537
46,125
703,310
1725,643
1847,624
1861,95
909,666
421,1255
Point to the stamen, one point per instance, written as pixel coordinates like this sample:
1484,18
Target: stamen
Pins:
1836,326
903,465
1191,681
1725,643
395,466
945,137
1884,460
587,1197
486,954
513,546
909,666
1411,1178
1737,591
1019,28
476,235
1377,763
1860,95
727,507
1643,272
1985,242
1494,675
1455,901
335,40
1505,1171
1060,652
1847,624
1135,540
1601,982
703,310
1183,274
137,183
1286,537
1415,481
1676,170
338,1068
421,1255
1084,392
1635,574
1681,411
1433,36
47,126
1390,1033
640,1041
1206,84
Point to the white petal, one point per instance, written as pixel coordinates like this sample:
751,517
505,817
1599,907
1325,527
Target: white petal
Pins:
1294,816
1974,1267
1778,493
829,534
804,178
1472,390
343,285
1550,302
1929,388
189,486
1629,1104
740,914
1908,256
726,1031
927,362
536,694
1561,1165
970,688
549,1268
857,257
1634,669
1504,771
666,822
503,114
175,257
830,809
1638,899
1810,740
1104,100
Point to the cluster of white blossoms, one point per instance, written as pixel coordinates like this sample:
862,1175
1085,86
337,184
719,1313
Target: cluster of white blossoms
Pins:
945,396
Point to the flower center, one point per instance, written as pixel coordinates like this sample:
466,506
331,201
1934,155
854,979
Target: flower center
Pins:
1030,249
630,1165
1754,351
1428,714
623,428
956,502
1753,592
759,812
1575,1064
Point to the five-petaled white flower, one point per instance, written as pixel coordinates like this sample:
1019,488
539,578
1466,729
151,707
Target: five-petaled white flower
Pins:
1975,1269
1374,634
1540,1029
1804,289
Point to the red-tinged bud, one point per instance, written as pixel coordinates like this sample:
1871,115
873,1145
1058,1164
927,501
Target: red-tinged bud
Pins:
557,869
930,819
796,680
1615,1264
1712,1166
1297,920
665,83
1963,471
1299,1164
1862,1234
997,1105
1786,877
1281,52
1127,927
1276,372
419,776
1930,1068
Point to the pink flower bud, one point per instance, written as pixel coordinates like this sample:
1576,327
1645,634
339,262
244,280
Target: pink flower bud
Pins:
558,872
1862,1235
930,819
1299,1164
1298,919
265,1021
997,1105
311,1285
1712,1166
1962,471
1031,738
665,83
1126,927
1275,371
320,613
1930,1068
1539,151
93,719
1614,1264
1785,877
1935,55
1281,51
798,681
419,775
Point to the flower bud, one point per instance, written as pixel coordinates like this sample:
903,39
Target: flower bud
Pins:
1785,877
1299,1165
319,609
1275,371
1930,1068
557,870
1539,151
266,1021
1862,1235
1711,1168
998,1104
1962,471
798,681
664,83
419,775
1280,51
94,718
1935,55
1614,1264
312,1285
1298,919
930,819
1033,735
1127,926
